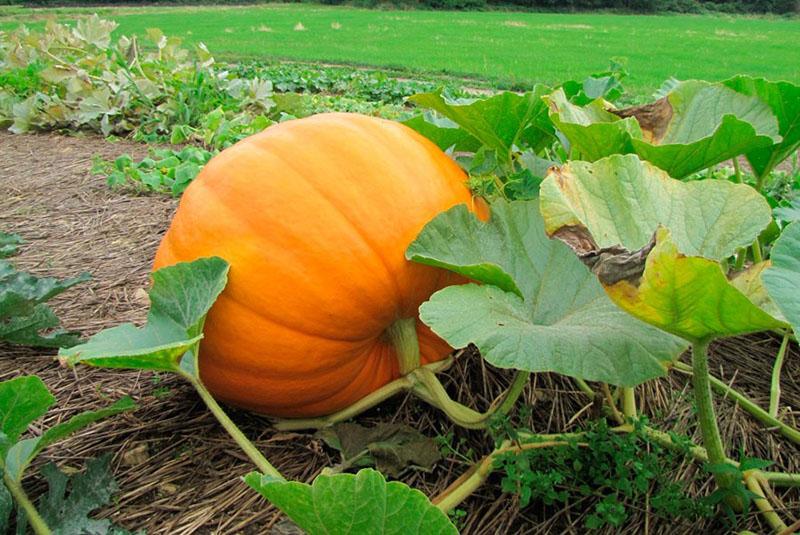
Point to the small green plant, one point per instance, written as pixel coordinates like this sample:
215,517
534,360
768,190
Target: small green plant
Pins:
619,469
25,318
163,171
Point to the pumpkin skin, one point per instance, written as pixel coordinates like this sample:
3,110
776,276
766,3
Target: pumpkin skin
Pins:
314,216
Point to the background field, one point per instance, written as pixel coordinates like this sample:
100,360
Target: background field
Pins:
500,47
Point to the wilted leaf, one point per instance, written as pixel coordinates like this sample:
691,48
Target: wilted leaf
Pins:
540,308
621,201
690,296
782,279
351,504
388,447
94,30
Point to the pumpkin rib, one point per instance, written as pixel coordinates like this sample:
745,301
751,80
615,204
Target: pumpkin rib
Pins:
323,195
260,315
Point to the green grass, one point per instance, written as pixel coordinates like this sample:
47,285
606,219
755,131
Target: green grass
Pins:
500,47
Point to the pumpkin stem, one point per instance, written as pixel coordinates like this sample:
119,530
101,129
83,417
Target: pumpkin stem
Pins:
403,335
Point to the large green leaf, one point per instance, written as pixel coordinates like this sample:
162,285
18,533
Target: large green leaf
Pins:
783,98
690,296
353,504
180,298
444,132
621,201
696,125
540,309
499,122
782,279
23,452
22,400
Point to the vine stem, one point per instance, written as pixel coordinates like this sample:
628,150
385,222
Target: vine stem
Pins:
248,447
745,403
705,411
629,403
37,522
763,505
473,478
775,385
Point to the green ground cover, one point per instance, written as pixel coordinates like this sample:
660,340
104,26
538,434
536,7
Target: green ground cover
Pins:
500,47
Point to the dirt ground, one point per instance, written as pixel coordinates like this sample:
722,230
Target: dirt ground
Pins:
178,471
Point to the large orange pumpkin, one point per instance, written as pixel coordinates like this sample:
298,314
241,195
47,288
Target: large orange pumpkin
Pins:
314,216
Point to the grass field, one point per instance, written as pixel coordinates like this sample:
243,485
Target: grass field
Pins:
500,47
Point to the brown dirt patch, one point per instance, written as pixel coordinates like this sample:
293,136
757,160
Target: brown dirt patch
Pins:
189,482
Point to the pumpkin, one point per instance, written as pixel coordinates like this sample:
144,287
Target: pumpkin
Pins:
314,216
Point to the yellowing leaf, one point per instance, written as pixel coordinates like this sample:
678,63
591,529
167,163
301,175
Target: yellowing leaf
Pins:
689,296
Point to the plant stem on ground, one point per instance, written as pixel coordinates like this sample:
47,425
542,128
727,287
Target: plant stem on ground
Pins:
751,407
248,447
775,386
37,522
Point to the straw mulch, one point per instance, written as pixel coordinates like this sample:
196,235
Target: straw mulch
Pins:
179,472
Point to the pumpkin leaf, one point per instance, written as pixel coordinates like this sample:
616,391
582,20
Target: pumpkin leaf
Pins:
499,122
783,98
443,132
22,401
180,298
697,125
23,452
621,201
556,317
388,447
782,279
71,499
690,296
344,504
37,329
9,244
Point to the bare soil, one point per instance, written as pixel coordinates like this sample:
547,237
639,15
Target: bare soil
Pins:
179,472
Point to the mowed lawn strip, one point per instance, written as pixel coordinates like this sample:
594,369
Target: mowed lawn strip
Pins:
500,47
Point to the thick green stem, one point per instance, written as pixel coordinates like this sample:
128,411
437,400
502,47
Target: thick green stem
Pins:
248,447
737,170
763,505
775,386
584,387
429,388
629,403
403,335
758,257
37,522
705,411
365,403
752,408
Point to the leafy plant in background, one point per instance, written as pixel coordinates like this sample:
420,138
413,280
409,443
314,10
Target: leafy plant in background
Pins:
80,78
23,400
163,171
24,317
